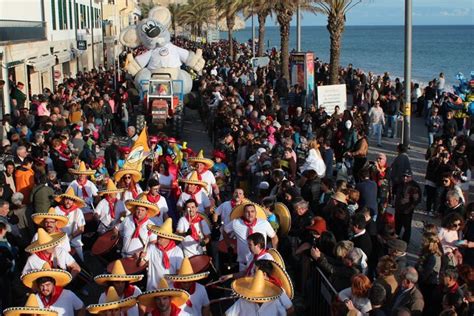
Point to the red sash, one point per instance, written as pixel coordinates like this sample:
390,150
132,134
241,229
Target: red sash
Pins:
82,185
196,220
111,206
57,291
174,311
48,257
255,258
250,225
153,199
138,225
68,210
192,289
166,259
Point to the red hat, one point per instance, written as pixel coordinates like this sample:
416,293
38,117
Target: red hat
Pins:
125,150
319,225
218,154
154,139
97,162
270,118
188,150
171,140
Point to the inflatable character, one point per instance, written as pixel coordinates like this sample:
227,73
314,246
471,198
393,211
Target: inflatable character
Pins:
162,56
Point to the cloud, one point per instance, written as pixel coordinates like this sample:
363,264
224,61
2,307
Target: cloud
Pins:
456,12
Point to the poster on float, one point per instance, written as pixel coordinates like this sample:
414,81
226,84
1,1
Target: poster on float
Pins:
302,73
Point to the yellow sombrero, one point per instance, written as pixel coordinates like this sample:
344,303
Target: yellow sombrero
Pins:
238,211
186,273
31,308
117,274
256,289
279,273
70,194
136,175
45,241
61,220
165,230
193,179
152,208
61,277
200,158
284,218
110,188
277,257
112,301
82,170
178,296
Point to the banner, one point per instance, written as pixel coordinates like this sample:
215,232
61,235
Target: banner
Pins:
332,95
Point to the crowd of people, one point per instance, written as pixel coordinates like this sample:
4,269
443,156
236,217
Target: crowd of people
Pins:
288,193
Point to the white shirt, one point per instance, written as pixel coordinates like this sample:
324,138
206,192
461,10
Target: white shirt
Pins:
265,256
190,246
163,206
127,194
61,260
199,299
208,177
106,221
241,232
224,211
91,190
202,200
76,220
168,55
66,304
243,307
133,245
156,270
130,312
63,244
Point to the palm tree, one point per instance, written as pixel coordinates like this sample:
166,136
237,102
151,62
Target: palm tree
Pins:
263,9
228,9
145,8
195,13
336,11
175,10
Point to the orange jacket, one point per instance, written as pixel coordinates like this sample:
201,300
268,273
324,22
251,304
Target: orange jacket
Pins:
25,181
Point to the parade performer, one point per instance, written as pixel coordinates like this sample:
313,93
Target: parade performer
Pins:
110,209
165,300
52,223
70,205
194,226
153,196
163,257
113,305
83,187
203,168
194,189
31,308
128,179
186,279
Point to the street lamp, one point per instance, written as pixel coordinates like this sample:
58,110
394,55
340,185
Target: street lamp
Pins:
407,103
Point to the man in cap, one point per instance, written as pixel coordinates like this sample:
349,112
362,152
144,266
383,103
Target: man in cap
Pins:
83,187
110,209
247,219
153,196
407,197
163,257
165,300
195,229
397,251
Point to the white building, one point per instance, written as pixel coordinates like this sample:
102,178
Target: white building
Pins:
39,42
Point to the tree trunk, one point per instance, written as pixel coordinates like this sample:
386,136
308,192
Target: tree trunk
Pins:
284,47
335,28
230,26
261,34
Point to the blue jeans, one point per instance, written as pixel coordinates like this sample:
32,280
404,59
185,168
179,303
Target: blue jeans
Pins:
431,138
391,124
377,132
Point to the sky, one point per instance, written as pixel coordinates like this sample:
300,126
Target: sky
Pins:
391,12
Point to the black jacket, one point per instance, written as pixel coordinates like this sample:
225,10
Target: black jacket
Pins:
363,242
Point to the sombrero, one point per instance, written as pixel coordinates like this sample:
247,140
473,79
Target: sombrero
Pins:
277,257
61,277
112,301
45,241
186,273
280,274
178,296
70,194
31,308
165,230
153,210
136,175
117,274
110,188
82,170
61,220
256,289
200,158
284,217
193,179
238,211
340,197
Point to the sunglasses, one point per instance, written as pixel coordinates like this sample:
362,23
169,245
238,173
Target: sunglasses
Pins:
457,225
127,177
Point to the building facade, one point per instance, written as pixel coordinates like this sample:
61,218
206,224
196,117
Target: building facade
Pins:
42,42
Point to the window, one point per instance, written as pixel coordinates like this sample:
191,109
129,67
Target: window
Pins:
64,14
82,17
87,17
53,13
60,14
76,13
71,26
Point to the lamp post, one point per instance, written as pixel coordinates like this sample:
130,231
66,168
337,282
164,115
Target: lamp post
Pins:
253,34
298,27
407,103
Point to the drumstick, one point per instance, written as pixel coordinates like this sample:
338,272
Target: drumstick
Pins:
217,300
212,283
222,288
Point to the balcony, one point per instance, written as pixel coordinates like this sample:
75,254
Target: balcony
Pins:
13,30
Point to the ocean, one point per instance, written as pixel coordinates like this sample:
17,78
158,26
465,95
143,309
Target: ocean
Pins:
448,49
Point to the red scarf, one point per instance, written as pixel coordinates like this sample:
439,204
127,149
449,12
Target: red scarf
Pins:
166,259
192,289
174,311
199,174
255,258
111,205
134,190
138,225
193,194
233,203
68,210
196,220
275,281
82,185
48,257
249,225
128,291
153,199
57,291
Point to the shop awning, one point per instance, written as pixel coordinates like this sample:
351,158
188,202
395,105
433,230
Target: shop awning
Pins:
63,56
42,62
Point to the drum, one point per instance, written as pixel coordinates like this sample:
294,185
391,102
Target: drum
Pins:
200,263
227,261
223,246
105,243
130,266
89,217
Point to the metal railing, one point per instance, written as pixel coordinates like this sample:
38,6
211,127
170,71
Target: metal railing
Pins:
321,294
15,30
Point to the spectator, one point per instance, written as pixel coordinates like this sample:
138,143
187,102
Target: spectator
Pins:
407,295
25,178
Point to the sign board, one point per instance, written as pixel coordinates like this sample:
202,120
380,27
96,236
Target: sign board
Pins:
213,36
332,95
260,61
302,73
82,45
